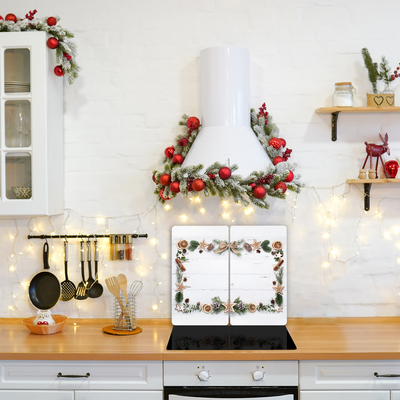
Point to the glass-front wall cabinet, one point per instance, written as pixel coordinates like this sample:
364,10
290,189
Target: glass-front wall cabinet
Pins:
31,129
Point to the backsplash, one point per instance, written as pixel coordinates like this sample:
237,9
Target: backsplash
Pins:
139,74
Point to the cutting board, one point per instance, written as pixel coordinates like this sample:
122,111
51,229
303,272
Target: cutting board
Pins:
223,275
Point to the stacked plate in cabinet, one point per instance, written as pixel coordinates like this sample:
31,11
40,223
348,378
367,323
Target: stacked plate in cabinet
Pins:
16,87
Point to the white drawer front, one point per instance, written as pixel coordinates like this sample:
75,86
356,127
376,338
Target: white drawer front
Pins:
395,395
345,395
118,395
231,373
122,375
35,395
348,375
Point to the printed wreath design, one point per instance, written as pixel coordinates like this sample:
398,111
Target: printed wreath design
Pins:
216,305
219,178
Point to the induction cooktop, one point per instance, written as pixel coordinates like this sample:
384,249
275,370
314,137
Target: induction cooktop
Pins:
230,338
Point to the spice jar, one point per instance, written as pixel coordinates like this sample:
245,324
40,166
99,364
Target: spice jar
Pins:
128,247
113,247
343,95
120,247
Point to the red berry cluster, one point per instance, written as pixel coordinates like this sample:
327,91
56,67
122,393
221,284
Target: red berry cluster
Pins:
30,15
183,142
396,73
189,184
286,154
264,180
263,113
211,175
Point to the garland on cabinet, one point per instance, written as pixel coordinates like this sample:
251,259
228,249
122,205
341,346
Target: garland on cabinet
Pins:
219,178
60,40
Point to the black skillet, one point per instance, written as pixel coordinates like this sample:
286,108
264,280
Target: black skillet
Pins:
44,289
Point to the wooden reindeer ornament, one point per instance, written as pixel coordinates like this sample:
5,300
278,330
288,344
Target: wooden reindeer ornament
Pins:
376,150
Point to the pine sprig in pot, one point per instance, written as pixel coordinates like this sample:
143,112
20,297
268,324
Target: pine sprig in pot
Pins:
372,68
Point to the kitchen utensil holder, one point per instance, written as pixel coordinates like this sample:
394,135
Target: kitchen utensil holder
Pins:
125,319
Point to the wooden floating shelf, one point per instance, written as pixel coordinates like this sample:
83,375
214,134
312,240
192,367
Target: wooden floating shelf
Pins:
367,187
335,111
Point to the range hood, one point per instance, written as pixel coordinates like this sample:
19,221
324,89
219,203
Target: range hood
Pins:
226,135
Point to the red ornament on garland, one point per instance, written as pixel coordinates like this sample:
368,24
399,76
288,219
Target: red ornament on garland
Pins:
51,21
283,142
1,18
211,175
164,198
198,185
11,17
253,185
58,70
177,159
281,185
67,56
289,177
277,160
52,43
275,143
154,179
193,123
169,151
174,187
165,179
391,168
225,173
259,192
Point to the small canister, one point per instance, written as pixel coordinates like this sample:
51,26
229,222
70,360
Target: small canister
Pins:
113,247
343,95
120,247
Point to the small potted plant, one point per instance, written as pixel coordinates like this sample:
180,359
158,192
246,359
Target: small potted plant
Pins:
377,73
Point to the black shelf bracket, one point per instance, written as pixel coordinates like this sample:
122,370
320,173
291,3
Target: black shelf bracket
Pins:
335,117
367,190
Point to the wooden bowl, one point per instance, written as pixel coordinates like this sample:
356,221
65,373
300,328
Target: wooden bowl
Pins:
60,321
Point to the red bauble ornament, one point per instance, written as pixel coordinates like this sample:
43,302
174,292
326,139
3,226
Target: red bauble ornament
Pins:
154,179
11,17
165,179
193,123
174,187
281,185
259,192
198,185
51,21
67,56
177,159
225,173
283,142
391,168
275,143
169,151
289,177
52,43
277,160
58,70
1,18
164,198
253,185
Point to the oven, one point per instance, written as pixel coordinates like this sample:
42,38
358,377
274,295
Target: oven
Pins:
200,380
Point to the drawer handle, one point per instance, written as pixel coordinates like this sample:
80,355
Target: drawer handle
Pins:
386,376
60,375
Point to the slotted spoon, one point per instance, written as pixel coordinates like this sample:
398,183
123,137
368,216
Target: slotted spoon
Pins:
68,288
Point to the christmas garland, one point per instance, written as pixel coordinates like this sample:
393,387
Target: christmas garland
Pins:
218,178
65,48
217,305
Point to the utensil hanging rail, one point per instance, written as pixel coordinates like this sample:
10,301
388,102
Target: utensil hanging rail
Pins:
134,236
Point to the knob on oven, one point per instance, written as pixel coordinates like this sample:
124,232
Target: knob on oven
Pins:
204,375
257,375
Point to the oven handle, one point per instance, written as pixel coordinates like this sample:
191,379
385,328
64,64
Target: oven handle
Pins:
386,376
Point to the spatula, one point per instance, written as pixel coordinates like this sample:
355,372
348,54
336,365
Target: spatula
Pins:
115,290
68,287
123,284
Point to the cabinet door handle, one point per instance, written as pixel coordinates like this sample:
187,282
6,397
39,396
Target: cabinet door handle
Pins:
60,375
386,376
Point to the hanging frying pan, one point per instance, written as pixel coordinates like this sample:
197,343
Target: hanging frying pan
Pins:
45,288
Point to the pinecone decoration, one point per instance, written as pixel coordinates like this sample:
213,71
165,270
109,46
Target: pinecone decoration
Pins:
247,247
272,301
210,247
275,143
216,306
187,300
241,306
265,180
211,176
189,184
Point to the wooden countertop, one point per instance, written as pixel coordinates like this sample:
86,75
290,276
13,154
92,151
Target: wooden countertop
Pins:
315,338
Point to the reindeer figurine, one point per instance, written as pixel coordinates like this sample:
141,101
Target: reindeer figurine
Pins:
376,150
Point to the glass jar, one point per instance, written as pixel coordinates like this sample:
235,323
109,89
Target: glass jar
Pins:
120,247
343,95
128,247
113,247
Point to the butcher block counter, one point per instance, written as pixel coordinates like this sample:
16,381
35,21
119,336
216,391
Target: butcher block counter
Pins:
315,338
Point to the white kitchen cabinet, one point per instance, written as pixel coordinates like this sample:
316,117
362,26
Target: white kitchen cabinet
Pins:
345,395
35,395
395,395
118,395
31,127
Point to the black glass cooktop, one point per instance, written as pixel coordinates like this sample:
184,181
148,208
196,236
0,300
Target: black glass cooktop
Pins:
230,338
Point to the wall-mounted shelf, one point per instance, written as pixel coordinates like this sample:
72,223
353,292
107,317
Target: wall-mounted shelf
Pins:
367,187
335,111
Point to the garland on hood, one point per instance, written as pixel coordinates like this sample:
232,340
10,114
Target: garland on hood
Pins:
218,178
60,40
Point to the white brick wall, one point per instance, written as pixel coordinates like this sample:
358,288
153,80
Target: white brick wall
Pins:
139,74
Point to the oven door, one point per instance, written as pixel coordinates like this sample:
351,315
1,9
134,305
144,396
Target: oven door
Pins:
231,393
